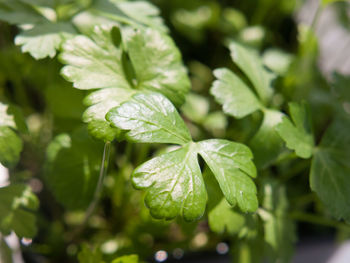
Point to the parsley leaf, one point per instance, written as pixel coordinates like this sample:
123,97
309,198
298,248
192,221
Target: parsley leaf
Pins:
44,39
175,184
174,181
330,168
11,144
235,96
73,162
150,118
231,165
250,63
18,204
297,135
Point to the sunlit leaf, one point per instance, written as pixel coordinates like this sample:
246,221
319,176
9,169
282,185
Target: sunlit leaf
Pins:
175,184
43,40
150,117
232,166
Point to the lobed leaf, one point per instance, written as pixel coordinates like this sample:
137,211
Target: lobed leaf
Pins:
93,62
44,39
297,135
250,63
158,64
330,168
232,166
175,184
266,143
150,117
235,96
139,14
100,102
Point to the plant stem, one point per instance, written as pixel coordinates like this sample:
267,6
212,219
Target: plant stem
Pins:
316,219
98,190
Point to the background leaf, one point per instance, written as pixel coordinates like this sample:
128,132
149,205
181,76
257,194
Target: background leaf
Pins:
17,207
266,143
73,163
44,39
297,135
233,94
329,176
250,63
280,232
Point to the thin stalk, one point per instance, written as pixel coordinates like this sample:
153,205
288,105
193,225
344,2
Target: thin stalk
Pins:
98,190
316,219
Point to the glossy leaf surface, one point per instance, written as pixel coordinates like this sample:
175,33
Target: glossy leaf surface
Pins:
175,184
150,117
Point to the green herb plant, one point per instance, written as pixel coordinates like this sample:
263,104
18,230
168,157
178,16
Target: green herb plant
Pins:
230,155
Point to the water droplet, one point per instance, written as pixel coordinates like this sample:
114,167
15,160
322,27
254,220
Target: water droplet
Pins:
161,256
26,241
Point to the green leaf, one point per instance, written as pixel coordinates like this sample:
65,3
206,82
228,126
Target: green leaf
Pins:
11,116
93,62
330,169
250,63
280,232
127,259
150,117
100,102
43,40
236,97
175,184
17,207
16,12
88,255
96,63
72,168
327,2
135,13
277,60
196,107
266,143
232,166
221,216
158,64
340,86
298,135
11,144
